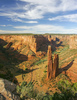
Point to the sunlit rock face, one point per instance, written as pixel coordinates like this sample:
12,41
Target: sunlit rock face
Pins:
73,42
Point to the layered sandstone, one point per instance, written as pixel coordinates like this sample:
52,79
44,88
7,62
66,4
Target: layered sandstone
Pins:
73,42
50,64
55,65
36,42
52,70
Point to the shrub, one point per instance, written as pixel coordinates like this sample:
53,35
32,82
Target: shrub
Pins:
26,68
67,88
45,71
26,90
39,96
46,66
68,91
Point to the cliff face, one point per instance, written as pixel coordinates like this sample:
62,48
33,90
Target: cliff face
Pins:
73,42
25,40
23,43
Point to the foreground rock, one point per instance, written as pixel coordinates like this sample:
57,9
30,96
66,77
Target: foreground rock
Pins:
7,90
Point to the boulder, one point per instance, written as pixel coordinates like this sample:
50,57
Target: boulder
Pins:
7,90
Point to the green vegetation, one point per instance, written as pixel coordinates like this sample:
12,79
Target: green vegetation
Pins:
40,61
45,71
26,68
26,90
68,91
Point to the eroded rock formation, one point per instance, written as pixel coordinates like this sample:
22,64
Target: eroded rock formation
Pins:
52,70
55,65
50,64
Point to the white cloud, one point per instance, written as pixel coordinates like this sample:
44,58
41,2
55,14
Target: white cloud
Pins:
9,32
71,18
16,17
40,29
47,29
54,5
5,25
31,22
35,9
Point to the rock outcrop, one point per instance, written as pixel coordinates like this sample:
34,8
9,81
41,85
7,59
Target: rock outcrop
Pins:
55,65
52,69
50,64
7,90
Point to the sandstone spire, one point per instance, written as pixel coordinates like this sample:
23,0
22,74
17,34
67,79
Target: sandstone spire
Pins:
52,69
55,65
49,70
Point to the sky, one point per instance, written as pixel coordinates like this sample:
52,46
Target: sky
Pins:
38,16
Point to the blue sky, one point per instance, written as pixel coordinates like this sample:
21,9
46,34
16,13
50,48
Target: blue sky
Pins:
38,16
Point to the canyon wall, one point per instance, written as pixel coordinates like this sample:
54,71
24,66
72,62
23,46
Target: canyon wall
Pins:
35,42
73,42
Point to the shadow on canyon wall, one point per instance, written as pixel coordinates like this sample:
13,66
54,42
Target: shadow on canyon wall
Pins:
10,58
43,42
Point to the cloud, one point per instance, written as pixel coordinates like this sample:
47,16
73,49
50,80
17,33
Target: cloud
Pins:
5,25
70,18
16,17
54,5
40,29
9,32
36,9
47,29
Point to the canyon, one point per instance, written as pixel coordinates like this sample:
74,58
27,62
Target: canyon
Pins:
23,58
